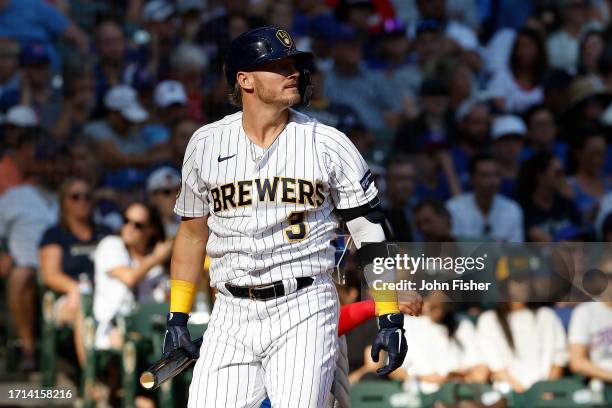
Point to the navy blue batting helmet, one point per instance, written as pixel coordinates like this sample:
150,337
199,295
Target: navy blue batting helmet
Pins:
263,45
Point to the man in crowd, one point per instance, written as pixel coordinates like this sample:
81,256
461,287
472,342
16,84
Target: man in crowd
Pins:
485,213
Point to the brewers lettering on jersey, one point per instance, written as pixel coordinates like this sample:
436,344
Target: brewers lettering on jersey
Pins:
266,182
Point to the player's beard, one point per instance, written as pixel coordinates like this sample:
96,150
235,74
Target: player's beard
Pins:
282,99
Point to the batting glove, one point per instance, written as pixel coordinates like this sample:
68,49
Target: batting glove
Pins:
390,338
177,335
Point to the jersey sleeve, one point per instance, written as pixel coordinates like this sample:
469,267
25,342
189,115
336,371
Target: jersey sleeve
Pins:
192,200
351,181
578,332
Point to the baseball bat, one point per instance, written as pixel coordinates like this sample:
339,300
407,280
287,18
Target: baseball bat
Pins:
167,368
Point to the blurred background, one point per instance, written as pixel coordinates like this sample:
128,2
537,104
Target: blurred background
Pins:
483,120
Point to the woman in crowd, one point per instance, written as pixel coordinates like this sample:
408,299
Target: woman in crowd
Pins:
521,343
586,161
66,251
123,264
441,347
543,191
520,86
591,47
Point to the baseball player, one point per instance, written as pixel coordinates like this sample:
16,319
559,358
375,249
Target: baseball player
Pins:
262,191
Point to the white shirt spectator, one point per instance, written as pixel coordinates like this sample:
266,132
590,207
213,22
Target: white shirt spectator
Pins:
539,344
516,99
25,214
591,325
496,54
430,351
562,50
505,219
112,297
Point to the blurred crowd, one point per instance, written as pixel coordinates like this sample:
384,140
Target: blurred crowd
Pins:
482,120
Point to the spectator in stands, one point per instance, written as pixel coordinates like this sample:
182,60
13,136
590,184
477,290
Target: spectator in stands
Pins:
429,47
590,340
190,14
519,86
485,213
28,21
114,58
163,188
36,90
9,75
170,107
78,101
433,221
591,48
562,46
463,40
473,125
181,133
338,115
442,347
542,134
587,100
85,165
432,126
542,192
350,83
158,18
521,343
586,160
461,80
401,180
394,63
118,145
508,134
26,210
189,67
66,252
121,264
20,131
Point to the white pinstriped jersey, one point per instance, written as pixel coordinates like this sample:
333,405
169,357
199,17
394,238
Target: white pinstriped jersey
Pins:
271,210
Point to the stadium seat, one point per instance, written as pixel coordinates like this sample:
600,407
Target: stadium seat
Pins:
374,394
452,393
563,393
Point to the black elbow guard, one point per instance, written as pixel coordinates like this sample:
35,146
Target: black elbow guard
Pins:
372,212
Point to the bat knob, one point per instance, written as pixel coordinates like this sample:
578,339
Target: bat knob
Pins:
147,380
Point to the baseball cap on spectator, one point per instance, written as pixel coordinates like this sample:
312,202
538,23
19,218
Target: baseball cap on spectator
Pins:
584,89
35,54
508,125
169,93
21,116
184,6
163,178
123,98
157,11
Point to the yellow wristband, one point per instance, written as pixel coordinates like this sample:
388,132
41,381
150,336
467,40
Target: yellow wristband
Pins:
386,301
181,295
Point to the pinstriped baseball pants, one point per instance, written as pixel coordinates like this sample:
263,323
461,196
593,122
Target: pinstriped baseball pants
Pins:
284,348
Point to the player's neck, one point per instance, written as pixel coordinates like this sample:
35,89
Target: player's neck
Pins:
263,125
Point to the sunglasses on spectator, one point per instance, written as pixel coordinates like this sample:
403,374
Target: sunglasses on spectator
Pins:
165,191
81,196
137,224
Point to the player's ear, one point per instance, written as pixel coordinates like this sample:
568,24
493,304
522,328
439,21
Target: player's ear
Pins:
245,80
